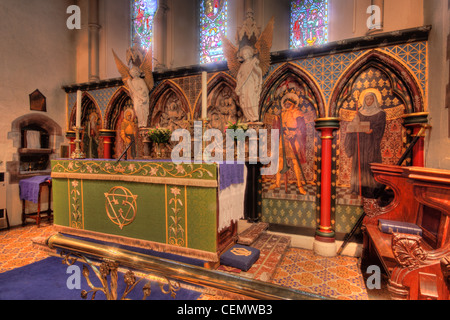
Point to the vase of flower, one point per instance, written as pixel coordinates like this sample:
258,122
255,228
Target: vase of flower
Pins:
160,137
158,150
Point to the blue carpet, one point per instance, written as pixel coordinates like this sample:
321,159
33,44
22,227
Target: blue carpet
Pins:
47,280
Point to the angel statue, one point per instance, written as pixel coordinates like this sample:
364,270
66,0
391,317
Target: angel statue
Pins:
138,79
248,63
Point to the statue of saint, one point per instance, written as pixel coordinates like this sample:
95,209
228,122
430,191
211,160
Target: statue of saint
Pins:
138,79
140,95
249,82
248,63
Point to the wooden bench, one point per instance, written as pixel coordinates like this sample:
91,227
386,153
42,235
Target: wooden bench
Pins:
418,267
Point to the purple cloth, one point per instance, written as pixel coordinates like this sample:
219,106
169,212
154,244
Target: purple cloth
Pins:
29,188
230,174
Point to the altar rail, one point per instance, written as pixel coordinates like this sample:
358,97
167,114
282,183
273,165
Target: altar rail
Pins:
178,271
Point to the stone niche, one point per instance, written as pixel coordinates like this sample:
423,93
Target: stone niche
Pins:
37,139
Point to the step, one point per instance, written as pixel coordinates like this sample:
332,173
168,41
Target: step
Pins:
273,248
248,236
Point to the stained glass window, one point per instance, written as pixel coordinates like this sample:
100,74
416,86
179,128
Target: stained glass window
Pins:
309,23
213,23
143,12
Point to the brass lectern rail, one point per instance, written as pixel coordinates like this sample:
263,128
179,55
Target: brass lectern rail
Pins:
248,288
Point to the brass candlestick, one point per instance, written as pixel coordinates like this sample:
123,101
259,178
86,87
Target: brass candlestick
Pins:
77,154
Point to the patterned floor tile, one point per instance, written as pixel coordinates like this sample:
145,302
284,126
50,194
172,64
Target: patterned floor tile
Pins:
17,248
337,278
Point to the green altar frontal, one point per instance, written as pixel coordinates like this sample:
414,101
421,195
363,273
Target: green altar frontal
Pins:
157,205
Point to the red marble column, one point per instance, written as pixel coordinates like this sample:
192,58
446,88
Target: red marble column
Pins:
417,122
108,141
325,232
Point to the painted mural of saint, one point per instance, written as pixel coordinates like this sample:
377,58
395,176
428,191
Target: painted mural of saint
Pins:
128,131
363,143
91,137
294,135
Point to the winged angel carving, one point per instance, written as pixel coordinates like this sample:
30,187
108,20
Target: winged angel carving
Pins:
138,79
248,63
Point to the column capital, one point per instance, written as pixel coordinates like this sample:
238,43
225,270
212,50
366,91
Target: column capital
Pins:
327,123
107,133
414,119
70,134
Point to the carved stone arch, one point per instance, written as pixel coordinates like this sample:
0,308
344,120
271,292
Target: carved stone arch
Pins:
119,101
402,80
281,75
168,103
51,140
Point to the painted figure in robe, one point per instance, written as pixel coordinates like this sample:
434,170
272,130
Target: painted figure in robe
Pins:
249,82
363,142
294,135
128,131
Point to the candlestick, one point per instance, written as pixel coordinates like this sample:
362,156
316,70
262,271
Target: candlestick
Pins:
78,118
204,95
77,154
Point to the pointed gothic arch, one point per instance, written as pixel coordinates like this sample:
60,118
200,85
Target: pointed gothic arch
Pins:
282,74
88,105
222,102
169,106
119,101
402,80
398,94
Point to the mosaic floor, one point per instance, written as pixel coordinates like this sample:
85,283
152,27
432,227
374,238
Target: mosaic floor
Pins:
338,278
16,246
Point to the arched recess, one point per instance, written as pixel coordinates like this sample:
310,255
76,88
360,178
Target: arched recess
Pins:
119,101
398,94
91,124
26,162
222,103
289,80
280,78
169,107
403,79
115,121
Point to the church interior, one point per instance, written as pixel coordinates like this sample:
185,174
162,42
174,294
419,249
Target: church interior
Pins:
225,149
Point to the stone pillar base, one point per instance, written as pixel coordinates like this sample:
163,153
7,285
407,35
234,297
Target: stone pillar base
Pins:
325,249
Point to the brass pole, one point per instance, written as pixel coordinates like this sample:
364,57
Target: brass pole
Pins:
182,272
